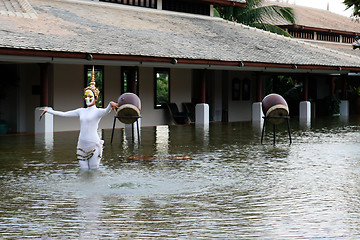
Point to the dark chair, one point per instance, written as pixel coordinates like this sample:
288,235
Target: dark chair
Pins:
190,109
178,117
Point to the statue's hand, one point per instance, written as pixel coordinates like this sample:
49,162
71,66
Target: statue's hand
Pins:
42,114
113,105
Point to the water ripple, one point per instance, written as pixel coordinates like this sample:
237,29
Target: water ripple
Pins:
226,186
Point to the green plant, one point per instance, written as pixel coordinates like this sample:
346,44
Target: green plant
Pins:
255,14
162,91
356,7
355,91
333,104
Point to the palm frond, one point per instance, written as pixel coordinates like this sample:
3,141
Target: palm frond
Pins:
355,4
288,14
216,13
257,15
274,11
271,28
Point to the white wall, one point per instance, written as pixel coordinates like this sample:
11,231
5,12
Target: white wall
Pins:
150,116
68,94
112,91
240,110
180,86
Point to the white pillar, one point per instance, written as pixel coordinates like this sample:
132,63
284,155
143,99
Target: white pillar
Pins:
305,111
202,113
257,114
159,4
46,124
344,108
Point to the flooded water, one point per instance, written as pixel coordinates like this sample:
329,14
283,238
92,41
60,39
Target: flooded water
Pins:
186,182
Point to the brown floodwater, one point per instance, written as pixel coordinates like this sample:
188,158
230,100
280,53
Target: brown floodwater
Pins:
186,182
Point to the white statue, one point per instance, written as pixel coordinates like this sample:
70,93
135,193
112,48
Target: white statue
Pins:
90,146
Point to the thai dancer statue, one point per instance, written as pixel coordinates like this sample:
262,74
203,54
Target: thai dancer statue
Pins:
89,146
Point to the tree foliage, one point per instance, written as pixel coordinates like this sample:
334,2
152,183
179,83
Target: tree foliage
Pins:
98,84
355,4
162,89
255,14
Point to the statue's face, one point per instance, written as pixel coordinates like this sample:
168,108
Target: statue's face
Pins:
89,97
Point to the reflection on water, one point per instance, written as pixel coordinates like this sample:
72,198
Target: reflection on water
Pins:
226,186
162,140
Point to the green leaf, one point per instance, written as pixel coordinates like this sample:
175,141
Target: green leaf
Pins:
255,14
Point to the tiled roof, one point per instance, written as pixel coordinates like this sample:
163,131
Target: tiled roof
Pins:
95,27
17,8
341,47
317,18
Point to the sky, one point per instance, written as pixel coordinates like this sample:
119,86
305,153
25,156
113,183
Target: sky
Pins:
335,6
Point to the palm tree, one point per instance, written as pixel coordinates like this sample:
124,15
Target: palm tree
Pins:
355,4
255,14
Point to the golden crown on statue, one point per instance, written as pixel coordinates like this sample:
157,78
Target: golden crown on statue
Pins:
92,86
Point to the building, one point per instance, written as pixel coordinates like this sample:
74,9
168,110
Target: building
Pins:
330,30
47,47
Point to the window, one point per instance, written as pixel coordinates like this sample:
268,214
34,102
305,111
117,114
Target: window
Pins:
161,87
129,80
99,81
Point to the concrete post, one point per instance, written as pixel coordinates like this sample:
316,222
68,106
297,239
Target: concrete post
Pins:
202,113
211,10
46,124
305,111
344,108
159,4
257,114
257,117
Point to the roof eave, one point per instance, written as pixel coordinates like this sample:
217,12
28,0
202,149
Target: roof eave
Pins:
315,29
87,58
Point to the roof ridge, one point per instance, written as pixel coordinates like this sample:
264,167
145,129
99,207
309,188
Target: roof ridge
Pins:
140,9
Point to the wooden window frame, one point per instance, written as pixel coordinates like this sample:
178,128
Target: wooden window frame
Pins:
161,70
136,70
102,90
